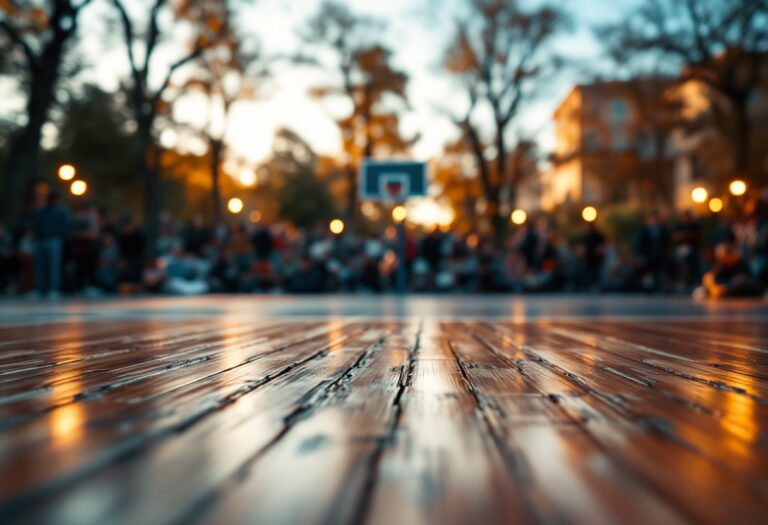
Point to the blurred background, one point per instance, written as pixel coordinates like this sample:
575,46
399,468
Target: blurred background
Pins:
196,146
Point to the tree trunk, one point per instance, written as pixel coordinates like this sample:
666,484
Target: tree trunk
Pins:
742,135
22,164
217,148
351,213
149,166
499,219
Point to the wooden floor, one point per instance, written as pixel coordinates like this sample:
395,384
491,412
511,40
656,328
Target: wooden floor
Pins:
384,422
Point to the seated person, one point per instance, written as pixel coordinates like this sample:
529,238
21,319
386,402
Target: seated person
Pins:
729,276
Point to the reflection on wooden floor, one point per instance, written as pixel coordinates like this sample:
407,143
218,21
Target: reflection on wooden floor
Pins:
384,422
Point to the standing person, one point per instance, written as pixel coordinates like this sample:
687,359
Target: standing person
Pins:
6,258
687,250
83,247
651,250
592,244
131,247
49,227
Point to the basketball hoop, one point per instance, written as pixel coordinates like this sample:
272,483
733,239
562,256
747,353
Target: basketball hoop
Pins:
394,187
392,182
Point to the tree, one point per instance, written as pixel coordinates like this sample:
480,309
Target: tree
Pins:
293,184
454,175
368,81
232,70
723,45
34,37
208,21
95,137
499,53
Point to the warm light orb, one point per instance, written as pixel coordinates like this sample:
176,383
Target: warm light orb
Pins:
699,195
715,205
336,226
589,214
519,217
255,216
78,187
399,214
235,205
738,187
67,172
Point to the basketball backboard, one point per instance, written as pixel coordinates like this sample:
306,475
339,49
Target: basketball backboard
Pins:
392,181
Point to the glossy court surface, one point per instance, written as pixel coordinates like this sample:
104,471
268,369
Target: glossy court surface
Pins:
379,410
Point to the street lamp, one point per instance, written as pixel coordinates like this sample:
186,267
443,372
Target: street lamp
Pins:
67,172
78,188
699,195
336,226
589,214
235,205
519,217
738,187
716,205
399,214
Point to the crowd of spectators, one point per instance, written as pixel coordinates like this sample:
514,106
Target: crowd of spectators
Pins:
84,252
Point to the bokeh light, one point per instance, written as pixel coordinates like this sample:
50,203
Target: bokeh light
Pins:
255,216
738,187
519,217
336,226
715,205
399,214
78,188
699,195
67,172
235,205
589,214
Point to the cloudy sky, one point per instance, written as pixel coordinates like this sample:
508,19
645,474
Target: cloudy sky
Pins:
416,30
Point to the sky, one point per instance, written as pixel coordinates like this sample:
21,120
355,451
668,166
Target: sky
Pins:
416,30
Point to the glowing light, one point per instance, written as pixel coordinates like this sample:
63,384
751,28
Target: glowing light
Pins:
255,216
336,226
699,195
235,205
589,214
247,178
78,188
67,172
738,187
399,214
430,213
473,240
519,217
715,205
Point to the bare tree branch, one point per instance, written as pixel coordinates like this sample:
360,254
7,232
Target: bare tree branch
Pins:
18,39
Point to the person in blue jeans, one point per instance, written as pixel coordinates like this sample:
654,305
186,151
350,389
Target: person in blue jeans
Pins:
49,225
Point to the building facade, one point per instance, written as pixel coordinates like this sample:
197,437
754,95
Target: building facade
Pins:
611,145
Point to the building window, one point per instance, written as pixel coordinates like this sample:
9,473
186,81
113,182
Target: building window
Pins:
591,142
619,139
619,109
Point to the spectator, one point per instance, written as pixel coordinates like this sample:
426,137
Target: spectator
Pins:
49,226
686,239
651,248
730,276
592,250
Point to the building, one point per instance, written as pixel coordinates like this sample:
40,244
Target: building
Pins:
611,144
703,151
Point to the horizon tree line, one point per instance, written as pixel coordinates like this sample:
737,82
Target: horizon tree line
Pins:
499,53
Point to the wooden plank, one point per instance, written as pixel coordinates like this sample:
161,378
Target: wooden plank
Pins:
443,467
649,447
569,478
